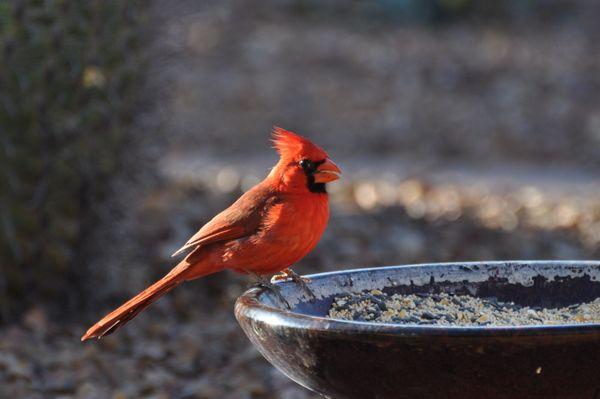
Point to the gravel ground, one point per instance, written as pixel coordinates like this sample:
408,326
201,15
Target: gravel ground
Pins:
405,98
455,310
482,91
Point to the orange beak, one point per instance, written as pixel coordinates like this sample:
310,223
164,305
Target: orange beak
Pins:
326,172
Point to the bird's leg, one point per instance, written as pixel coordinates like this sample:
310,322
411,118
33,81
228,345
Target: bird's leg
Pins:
298,279
265,283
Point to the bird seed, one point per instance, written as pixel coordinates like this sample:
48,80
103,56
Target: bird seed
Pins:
459,310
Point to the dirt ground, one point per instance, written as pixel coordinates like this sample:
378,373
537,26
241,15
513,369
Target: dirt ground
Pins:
474,141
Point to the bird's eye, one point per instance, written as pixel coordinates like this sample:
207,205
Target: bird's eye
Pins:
305,164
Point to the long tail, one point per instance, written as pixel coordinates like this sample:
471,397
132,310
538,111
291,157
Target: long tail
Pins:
118,317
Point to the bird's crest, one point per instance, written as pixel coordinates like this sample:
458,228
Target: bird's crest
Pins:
291,145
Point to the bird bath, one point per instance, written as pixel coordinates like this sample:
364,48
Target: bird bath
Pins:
351,359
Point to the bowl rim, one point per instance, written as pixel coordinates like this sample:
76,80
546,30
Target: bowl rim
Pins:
249,305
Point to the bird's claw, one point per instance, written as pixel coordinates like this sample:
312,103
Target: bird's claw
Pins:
298,279
279,277
264,283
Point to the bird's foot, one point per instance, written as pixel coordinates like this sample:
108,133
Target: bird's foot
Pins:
264,283
298,279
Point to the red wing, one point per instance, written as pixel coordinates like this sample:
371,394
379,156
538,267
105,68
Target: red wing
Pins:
207,236
241,219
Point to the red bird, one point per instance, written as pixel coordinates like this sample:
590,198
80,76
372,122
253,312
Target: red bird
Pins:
269,228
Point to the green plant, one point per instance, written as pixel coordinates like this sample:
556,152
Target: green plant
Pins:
68,89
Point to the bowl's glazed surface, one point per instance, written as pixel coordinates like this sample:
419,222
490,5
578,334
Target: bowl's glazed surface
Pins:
347,359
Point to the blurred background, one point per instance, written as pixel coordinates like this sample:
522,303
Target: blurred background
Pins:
467,130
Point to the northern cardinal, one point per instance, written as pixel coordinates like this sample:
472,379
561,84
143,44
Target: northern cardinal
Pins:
269,228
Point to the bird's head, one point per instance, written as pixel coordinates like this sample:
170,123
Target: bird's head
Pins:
302,164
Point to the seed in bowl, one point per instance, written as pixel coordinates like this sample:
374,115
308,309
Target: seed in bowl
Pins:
460,310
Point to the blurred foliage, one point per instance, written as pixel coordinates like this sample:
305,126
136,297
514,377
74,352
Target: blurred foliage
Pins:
69,73
439,11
